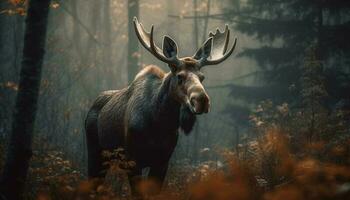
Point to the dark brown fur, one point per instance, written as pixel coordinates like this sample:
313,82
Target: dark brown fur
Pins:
143,118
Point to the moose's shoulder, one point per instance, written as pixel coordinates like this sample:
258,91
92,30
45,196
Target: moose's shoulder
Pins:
151,70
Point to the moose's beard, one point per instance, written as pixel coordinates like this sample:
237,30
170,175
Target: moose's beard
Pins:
187,119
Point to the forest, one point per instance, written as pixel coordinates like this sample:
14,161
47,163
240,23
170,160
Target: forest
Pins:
270,121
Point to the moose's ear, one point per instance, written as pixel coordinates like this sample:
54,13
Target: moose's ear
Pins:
205,50
169,47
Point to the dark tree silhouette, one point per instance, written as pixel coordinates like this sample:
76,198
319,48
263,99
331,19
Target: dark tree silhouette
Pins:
20,145
298,24
286,28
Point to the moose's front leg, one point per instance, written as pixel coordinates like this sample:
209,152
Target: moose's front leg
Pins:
157,173
135,177
136,153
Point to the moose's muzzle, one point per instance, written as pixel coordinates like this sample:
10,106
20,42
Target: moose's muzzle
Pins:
200,103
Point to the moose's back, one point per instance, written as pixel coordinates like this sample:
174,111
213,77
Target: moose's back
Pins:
128,108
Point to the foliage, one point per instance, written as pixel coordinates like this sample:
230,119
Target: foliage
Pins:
15,7
18,7
313,94
285,29
264,168
271,166
51,175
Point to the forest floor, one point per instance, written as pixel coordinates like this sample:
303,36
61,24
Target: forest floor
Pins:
52,176
265,170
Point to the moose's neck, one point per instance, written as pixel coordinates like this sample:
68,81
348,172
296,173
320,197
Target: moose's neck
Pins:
168,108
171,113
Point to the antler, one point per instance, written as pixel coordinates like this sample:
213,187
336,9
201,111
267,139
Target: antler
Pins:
169,52
216,51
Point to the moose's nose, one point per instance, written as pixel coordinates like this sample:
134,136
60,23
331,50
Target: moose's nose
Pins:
200,103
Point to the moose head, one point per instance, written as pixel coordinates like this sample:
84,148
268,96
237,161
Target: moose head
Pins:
185,73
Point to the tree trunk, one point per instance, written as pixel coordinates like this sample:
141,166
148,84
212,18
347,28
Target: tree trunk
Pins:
133,46
195,22
107,50
172,9
3,21
18,41
20,146
319,25
205,32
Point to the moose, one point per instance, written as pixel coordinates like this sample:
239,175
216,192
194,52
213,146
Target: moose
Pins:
145,117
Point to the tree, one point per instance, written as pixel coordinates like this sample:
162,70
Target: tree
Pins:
286,28
133,45
313,94
19,150
107,50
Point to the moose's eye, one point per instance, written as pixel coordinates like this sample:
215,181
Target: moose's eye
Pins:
180,78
